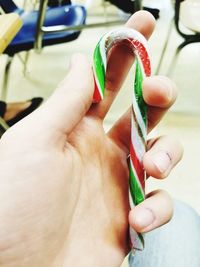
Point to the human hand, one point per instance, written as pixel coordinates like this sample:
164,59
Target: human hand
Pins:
64,181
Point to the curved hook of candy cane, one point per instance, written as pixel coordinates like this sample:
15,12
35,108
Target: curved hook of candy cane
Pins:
128,36
138,44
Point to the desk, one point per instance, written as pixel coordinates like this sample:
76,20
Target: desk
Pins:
10,24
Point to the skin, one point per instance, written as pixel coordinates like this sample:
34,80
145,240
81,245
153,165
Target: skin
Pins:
64,181
12,109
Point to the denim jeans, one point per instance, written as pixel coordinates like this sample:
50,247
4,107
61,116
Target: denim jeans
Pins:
176,244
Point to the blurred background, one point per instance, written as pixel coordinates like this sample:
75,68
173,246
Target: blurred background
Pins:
45,69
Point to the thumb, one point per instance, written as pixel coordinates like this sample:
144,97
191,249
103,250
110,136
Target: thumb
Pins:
71,100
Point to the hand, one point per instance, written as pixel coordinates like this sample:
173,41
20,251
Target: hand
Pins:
64,181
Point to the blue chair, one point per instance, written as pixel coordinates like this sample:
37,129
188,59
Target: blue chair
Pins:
44,27
72,15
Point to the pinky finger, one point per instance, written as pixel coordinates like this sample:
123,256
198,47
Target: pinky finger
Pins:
153,212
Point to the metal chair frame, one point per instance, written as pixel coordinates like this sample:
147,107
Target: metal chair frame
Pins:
188,39
61,28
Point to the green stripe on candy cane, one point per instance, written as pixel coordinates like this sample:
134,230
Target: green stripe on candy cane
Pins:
136,191
138,92
100,72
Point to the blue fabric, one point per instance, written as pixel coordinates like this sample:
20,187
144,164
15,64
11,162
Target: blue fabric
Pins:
70,15
8,6
175,244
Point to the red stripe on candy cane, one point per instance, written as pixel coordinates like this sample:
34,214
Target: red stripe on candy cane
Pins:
138,166
143,55
96,96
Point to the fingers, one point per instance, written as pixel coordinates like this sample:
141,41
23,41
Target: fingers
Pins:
155,211
72,99
120,61
143,22
163,154
159,93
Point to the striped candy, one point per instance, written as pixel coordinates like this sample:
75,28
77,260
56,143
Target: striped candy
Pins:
138,45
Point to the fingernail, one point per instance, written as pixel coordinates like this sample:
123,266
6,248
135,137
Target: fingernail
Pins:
162,161
144,217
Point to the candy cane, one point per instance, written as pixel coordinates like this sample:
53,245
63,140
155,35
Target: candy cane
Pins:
138,45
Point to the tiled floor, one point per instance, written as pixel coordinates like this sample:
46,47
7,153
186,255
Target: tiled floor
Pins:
45,70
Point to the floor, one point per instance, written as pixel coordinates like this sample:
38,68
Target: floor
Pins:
45,70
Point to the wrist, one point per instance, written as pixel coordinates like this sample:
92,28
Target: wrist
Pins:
91,253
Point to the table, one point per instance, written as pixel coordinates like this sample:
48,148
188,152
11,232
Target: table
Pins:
10,24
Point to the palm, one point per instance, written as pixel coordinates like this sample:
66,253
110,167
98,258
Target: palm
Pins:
102,198
65,190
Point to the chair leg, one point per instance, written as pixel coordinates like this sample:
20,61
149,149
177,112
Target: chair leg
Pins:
3,126
179,48
173,62
2,131
6,77
24,4
189,41
26,62
104,9
164,48
138,5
